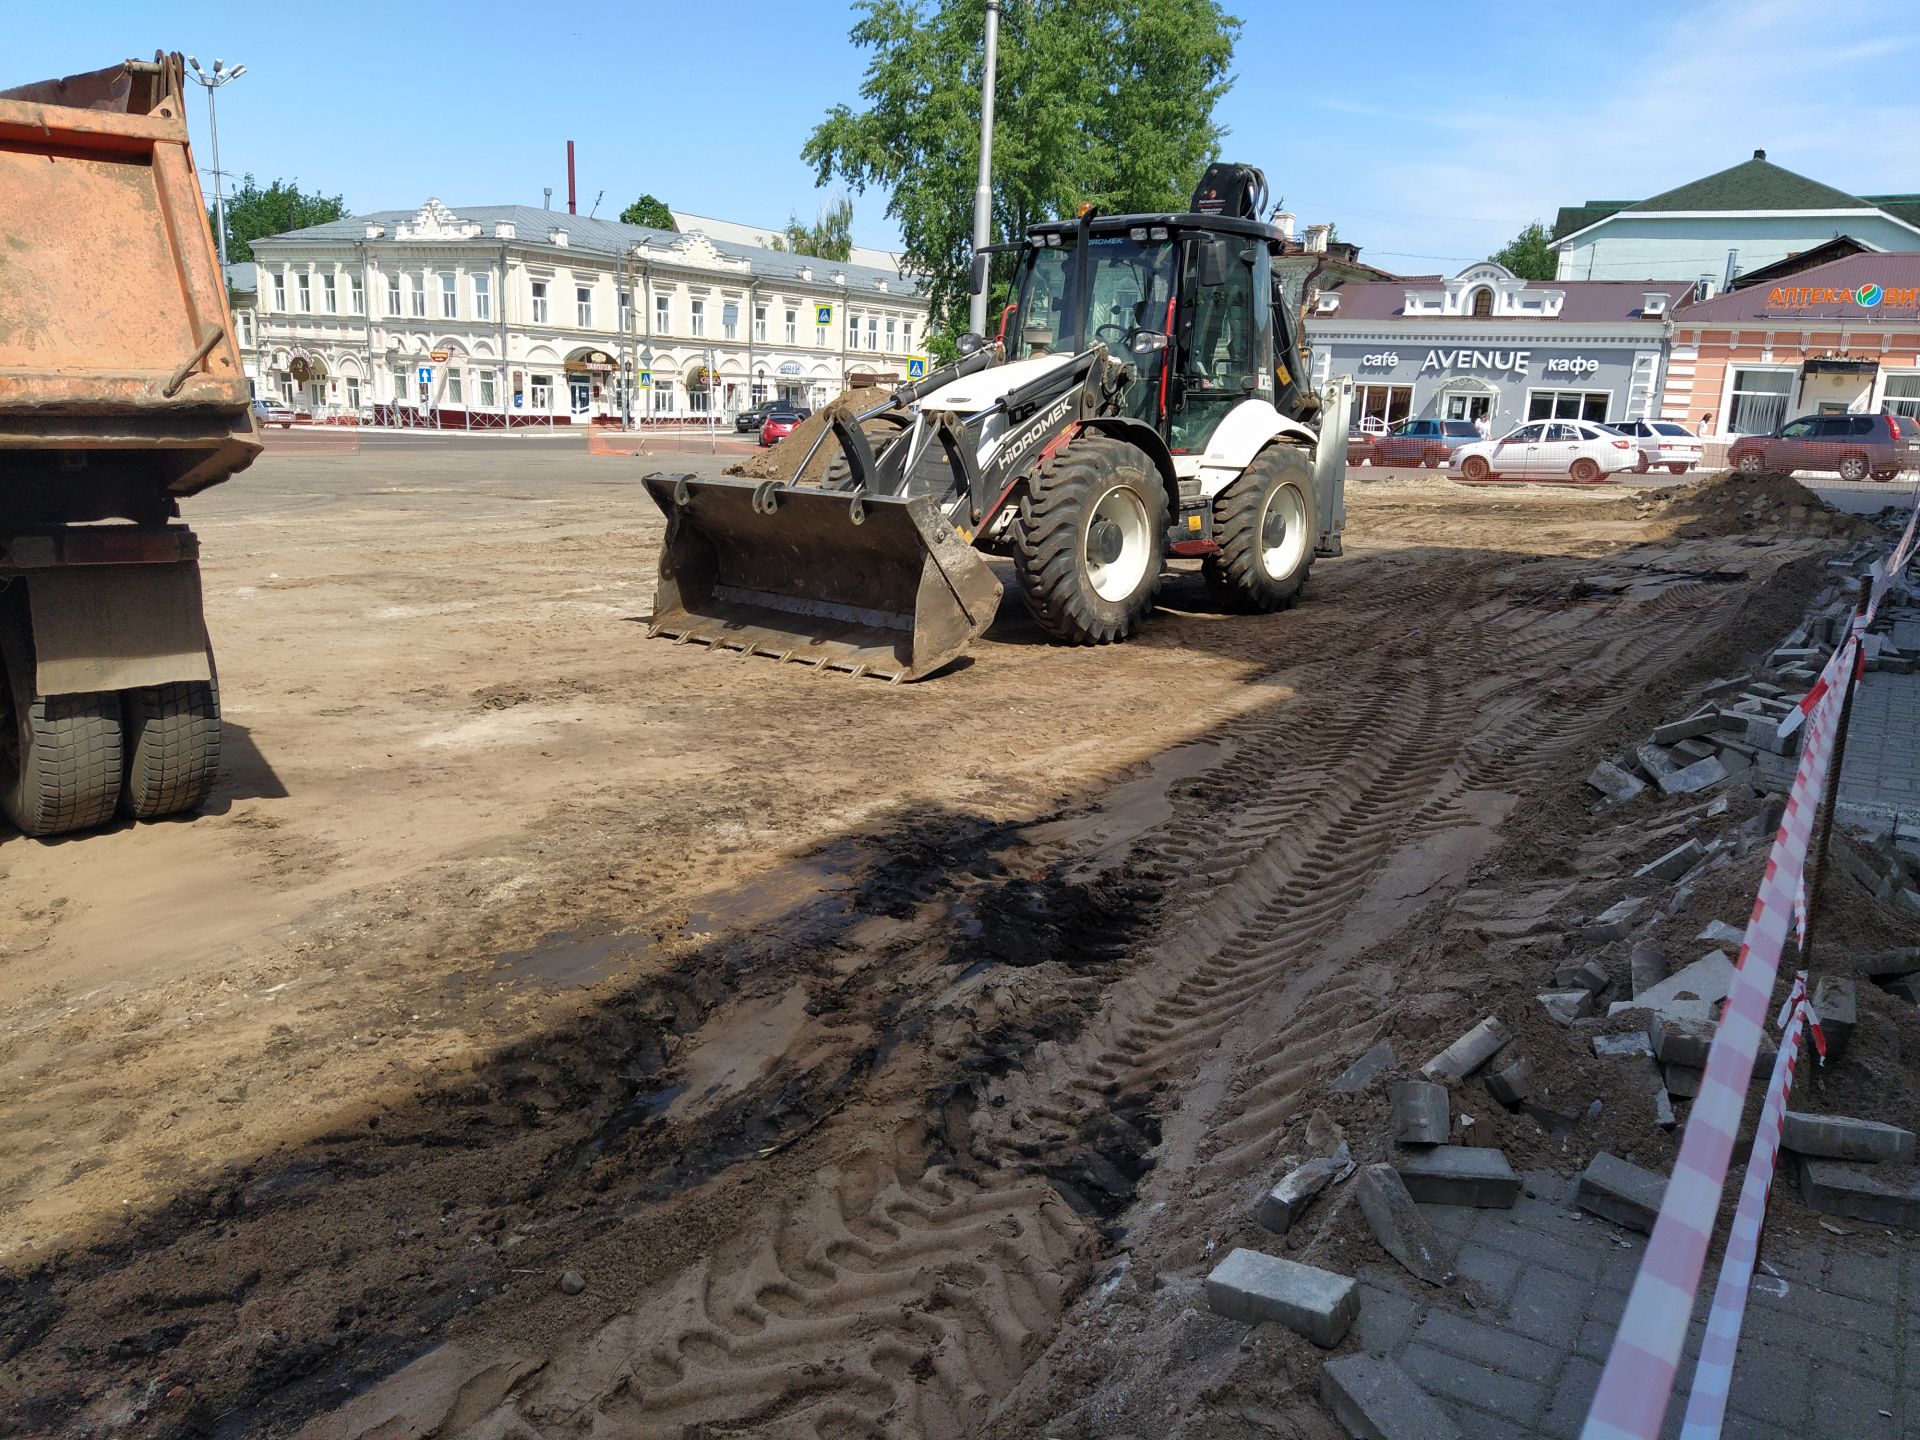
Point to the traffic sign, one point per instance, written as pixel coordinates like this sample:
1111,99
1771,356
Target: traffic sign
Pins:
823,314
646,379
916,367
426,374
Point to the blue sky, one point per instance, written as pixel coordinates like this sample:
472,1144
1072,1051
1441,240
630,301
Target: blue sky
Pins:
1430,133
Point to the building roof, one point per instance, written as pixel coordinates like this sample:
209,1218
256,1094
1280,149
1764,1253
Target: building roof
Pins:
243,278
1755,184
757,235
1892,279
1588,302
1838,248
607,237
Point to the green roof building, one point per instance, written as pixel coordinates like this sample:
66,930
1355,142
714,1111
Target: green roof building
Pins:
1712,229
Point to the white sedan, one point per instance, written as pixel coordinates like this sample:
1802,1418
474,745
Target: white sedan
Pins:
1662,442
1577,450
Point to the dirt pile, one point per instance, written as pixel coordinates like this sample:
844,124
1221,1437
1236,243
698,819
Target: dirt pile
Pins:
1730,503
783,461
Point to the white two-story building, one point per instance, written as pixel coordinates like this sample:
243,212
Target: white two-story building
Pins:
510,315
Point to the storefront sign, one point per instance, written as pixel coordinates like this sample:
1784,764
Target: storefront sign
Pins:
1506,362
1572,365
1868,297
439,355
1380,360
789,367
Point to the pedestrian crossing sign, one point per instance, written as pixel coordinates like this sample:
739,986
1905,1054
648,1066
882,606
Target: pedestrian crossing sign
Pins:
646,379
823,314
916,367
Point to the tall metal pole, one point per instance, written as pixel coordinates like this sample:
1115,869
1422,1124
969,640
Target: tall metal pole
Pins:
220,76
983,192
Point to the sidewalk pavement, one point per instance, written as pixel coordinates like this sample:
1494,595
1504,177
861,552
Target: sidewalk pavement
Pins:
1831,1343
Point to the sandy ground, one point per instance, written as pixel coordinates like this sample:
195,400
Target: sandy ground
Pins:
852,1044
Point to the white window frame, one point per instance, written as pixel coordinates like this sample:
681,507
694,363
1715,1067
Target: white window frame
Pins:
1730,394
821,339
329,293
482,297
449,296
906,337
1888,400
489,397
419,296
873,333
729,319
662,396
280,291
625,297
538,290
396,303
243,327
663,314
303,291
454,387
356,295
890,334
583,306
793,325
697,316
352,383
540,392
1560,394
400,378
760,324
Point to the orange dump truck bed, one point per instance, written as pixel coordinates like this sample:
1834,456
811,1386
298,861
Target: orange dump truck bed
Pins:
120,391
114,332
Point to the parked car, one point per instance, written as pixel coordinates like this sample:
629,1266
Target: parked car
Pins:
272,412
1542,449
1420,442
754,418
1853,446
779,423
1661,442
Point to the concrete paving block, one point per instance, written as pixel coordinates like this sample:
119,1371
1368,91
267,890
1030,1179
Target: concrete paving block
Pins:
1718,932
1567,1006
1692,750
1684,729
1707,979
1838,1006
1396,1222
1663,1115
1614,922
1672,865
1592,977
1469,1052
1647,966
1905,987
1654,762
1878,964
1763,733
1316,1303
1631,1045
1421,1112
1683,1081
1841,1137
1376,1400
1361,1072
1614,783
1281,1205
1512,1084
1680,1042
1459,1175
1876,1194
1618,1191
1700,775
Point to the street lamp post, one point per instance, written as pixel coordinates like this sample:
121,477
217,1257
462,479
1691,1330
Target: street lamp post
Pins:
983,192
220,76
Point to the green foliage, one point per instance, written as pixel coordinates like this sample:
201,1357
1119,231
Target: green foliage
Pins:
830,237
253,212
1104,100
1528,254
649,211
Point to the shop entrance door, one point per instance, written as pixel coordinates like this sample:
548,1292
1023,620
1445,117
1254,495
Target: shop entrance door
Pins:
1468,407
580,395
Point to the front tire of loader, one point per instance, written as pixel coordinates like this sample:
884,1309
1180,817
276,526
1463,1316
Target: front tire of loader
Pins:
1091,541
173,747
1265,526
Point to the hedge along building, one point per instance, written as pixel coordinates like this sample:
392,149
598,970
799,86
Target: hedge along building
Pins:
1838,337
1486,342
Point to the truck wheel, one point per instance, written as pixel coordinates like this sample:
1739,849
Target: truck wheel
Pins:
1091,541
1265,525
60,760
173,747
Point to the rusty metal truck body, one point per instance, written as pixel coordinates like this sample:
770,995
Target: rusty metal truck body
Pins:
121,391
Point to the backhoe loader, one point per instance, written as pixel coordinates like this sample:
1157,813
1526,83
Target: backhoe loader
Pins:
1144,400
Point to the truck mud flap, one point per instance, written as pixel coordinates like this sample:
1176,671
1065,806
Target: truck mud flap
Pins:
879,586
116,627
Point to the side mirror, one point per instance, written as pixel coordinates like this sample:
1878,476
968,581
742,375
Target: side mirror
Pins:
1146,342
982,263
1213,262
970,341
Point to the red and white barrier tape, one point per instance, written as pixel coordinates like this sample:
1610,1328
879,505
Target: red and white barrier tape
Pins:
1634,1389
1713,1376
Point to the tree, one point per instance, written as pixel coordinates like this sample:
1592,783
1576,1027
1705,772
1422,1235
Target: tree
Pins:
1529,255
282,206
830,237
1104,100
649,211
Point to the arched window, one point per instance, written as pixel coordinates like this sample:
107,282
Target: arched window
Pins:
1482,302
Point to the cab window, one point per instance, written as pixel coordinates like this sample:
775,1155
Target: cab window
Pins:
1222,336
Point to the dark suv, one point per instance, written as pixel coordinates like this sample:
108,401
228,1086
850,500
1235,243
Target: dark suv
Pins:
756,417
1416,442
1854,446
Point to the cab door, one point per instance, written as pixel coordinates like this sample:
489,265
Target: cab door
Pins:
1225,341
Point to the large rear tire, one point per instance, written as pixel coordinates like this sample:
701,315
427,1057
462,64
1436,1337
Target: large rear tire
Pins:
1091,541
173,747
1265,526
59,760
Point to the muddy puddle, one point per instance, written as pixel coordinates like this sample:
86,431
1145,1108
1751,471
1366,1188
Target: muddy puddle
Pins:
1129,810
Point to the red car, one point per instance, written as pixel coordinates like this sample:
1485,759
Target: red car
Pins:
778,425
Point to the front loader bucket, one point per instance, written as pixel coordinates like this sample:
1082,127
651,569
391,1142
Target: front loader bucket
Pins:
873,585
